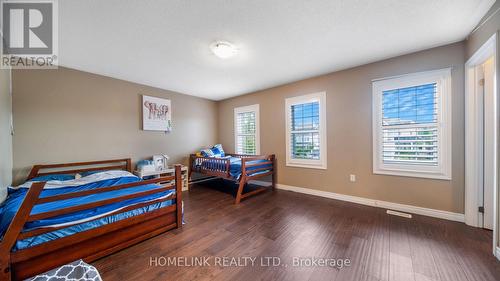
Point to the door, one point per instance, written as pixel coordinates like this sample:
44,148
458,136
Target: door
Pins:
489,142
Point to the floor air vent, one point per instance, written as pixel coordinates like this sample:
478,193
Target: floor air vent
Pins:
399,214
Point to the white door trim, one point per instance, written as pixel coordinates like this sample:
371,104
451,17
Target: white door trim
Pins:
474,138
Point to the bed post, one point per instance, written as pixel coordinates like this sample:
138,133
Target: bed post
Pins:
15,227
5,263
129,165
190,170
228,168
243,180
273,177
178,194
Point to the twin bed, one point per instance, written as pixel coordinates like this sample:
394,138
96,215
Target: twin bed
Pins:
55,218
236,167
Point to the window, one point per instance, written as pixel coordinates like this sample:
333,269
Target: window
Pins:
306,131
412,125
246,128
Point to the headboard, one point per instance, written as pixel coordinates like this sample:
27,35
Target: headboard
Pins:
80,167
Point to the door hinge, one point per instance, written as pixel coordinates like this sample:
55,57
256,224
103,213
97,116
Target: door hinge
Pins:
481,210
481,82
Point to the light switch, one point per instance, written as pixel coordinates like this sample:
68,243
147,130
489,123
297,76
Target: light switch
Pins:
352,178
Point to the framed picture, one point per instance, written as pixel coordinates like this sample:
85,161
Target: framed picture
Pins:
156,114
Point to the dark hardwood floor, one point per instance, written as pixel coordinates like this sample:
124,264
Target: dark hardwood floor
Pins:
286,225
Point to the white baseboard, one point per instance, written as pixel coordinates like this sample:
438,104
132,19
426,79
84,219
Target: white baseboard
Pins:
377,203
497,253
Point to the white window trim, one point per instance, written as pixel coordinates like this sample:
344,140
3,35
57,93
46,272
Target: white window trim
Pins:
307,163
443,79
243,109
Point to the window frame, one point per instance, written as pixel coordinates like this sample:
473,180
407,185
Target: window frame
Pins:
244,109
307,163
442,78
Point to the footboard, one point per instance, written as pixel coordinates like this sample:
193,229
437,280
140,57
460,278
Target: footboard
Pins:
256,166
89,244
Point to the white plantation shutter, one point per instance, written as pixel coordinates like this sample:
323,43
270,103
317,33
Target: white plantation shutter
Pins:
246,130
412,125
246,133
409,125
306,131
304,122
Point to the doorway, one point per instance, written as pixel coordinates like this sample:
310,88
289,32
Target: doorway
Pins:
481,121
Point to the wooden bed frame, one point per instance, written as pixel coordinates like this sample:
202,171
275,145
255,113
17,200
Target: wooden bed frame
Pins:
221,168
92,244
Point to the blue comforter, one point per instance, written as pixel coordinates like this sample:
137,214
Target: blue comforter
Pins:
15,198
235,166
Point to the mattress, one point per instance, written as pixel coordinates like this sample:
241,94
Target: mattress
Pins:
60,233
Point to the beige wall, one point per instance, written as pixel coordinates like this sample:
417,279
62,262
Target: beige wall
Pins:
349,119
5,133
67,115
489,25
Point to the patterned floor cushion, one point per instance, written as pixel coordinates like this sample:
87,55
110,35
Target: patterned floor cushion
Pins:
77,270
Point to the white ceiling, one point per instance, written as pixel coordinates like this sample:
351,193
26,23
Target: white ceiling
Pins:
165,44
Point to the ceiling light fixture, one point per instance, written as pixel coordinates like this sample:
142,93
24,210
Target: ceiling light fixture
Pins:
223,49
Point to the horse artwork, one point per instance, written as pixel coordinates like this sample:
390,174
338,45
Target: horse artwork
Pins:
156,114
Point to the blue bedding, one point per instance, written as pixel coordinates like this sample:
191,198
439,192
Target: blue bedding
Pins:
76,221
235,166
